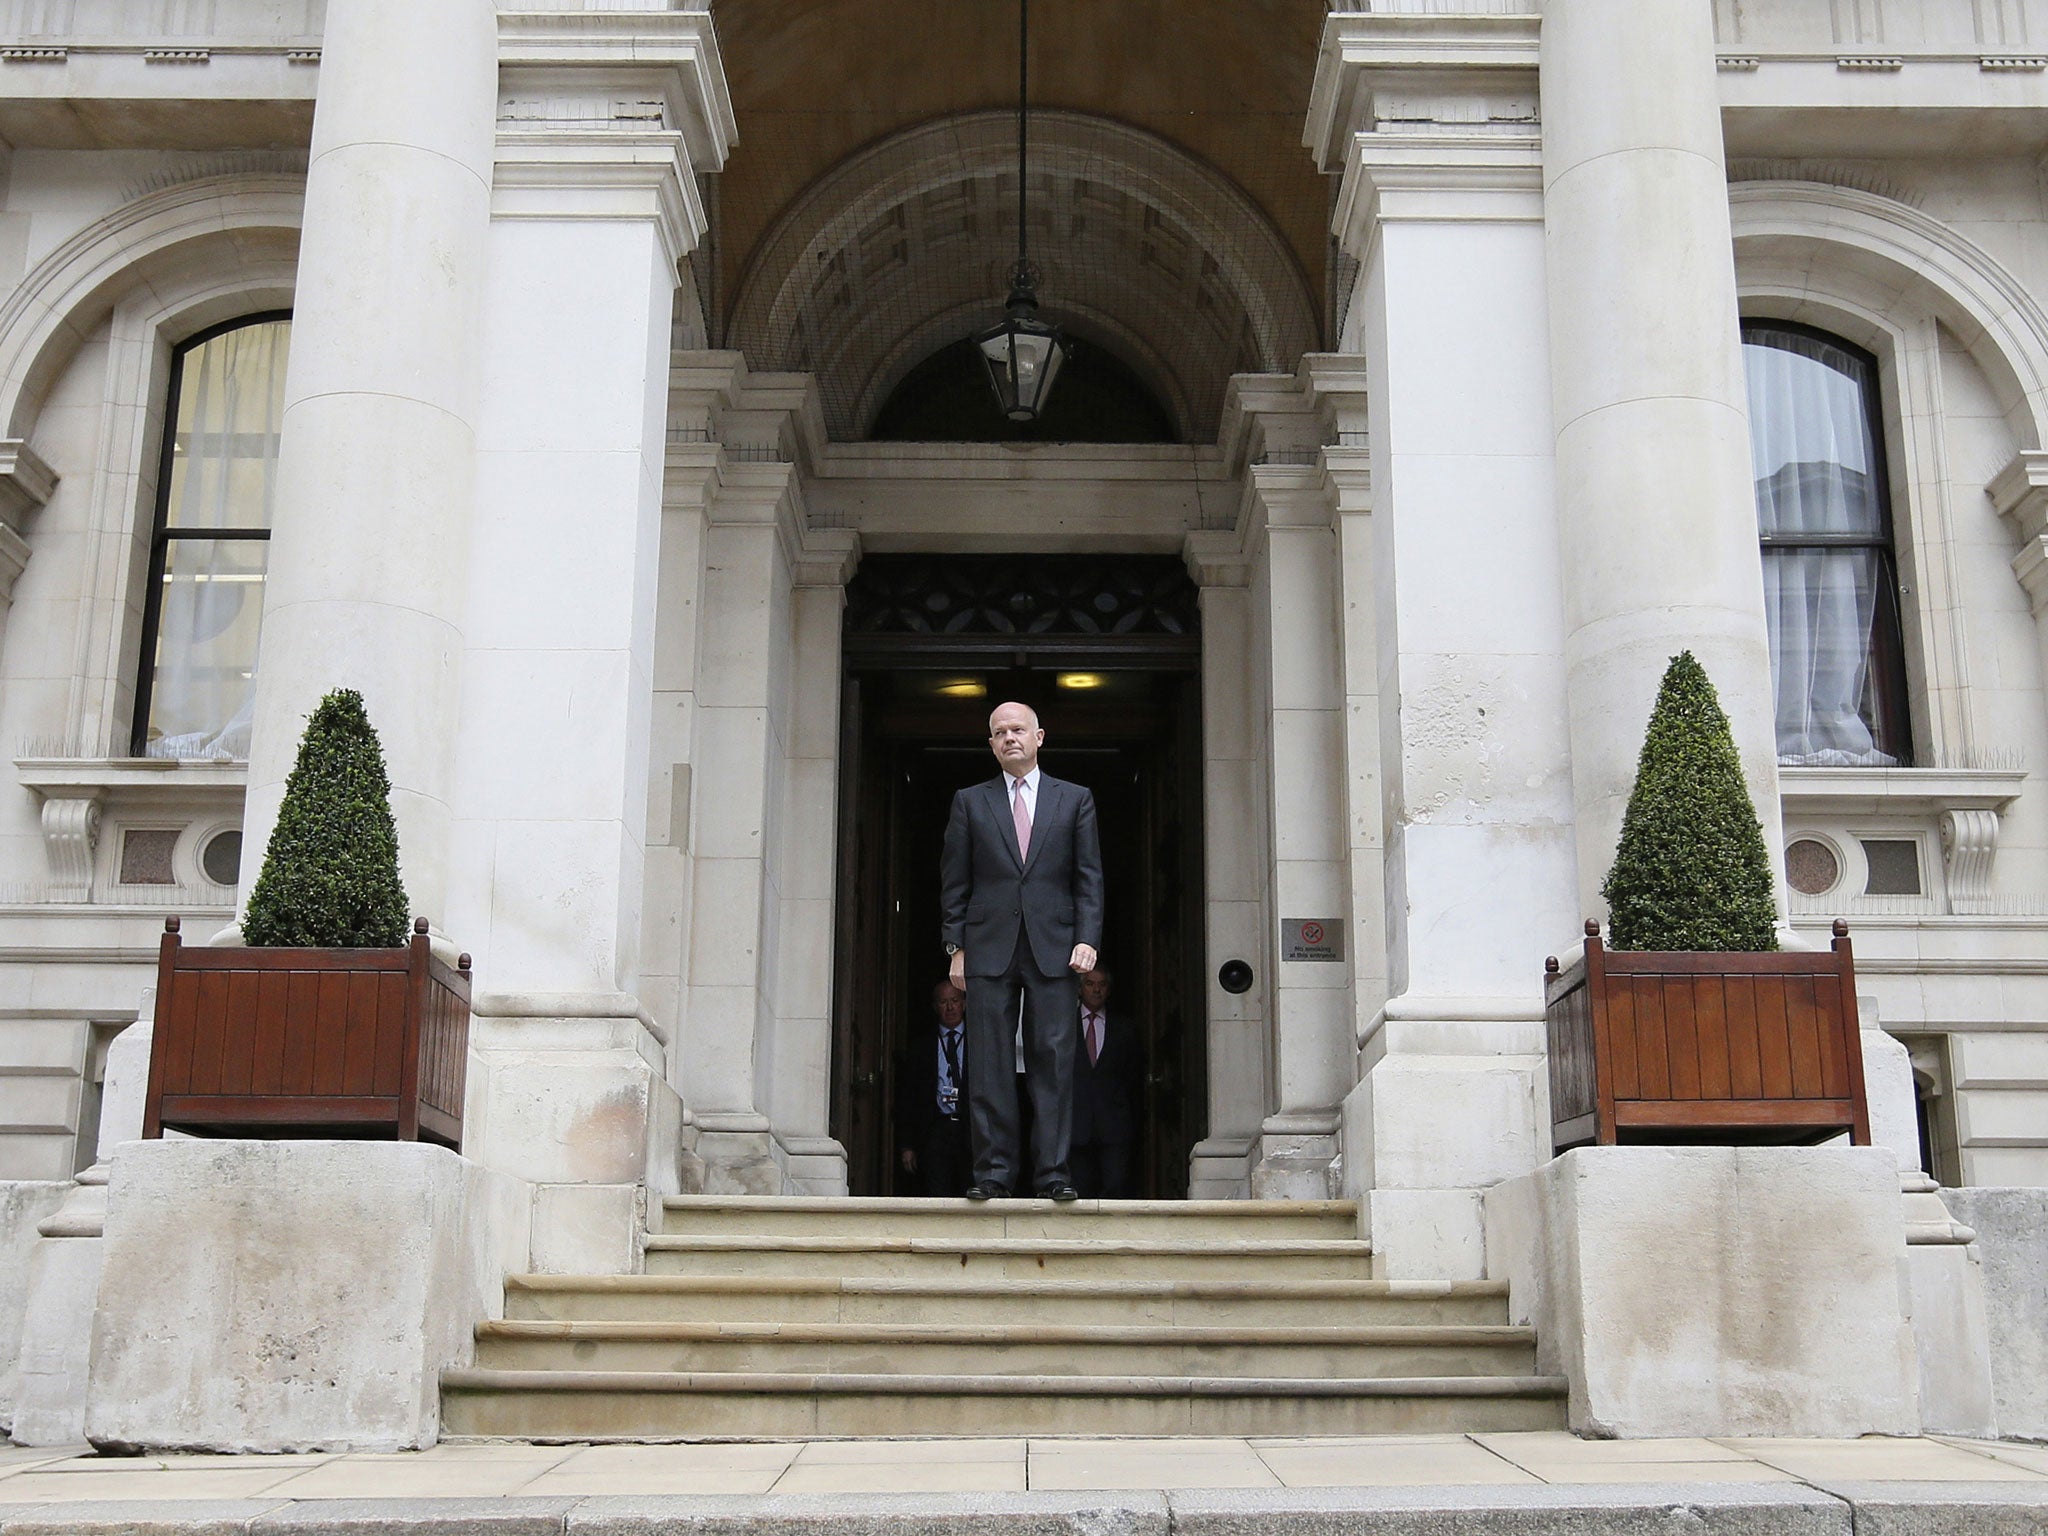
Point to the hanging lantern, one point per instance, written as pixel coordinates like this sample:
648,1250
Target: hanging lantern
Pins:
1023,353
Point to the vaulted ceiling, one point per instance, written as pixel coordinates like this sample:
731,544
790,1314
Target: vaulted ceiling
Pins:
815,83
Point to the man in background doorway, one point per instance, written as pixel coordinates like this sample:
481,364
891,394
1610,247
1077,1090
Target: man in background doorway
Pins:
931,1117
1020,903
1109,1074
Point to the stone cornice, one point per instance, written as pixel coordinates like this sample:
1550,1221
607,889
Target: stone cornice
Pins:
676,51
573,173
1376,68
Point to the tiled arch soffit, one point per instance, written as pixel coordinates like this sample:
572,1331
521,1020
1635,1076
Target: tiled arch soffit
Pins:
1824,242
214,222
907,245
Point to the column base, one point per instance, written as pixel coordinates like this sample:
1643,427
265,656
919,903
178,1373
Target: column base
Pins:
57,1317
737,1154
1295,1159
23,1206
578,1105
1220,1168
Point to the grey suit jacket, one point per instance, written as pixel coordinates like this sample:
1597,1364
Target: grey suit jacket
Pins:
988,896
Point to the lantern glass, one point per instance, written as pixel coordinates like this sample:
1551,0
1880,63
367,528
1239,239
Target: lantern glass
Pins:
1023,357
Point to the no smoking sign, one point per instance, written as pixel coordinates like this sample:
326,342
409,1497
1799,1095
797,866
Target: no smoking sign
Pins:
1311,938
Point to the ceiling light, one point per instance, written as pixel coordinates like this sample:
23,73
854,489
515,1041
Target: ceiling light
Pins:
1083,680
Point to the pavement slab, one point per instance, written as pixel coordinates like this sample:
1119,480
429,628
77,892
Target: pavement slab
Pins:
1522,1484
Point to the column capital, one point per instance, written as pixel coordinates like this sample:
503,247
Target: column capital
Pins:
631,60
568,173
1428,117
610,116
1396,71
1437,178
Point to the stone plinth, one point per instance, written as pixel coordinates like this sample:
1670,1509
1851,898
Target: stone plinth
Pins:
1714,1290
281,1296
2012,1236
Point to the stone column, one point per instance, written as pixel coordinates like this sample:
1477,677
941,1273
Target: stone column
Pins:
799,970
1296,580
1235,860
1655,494
1466,625
594,206
376,468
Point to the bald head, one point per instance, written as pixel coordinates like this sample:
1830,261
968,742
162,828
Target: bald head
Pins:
1014,736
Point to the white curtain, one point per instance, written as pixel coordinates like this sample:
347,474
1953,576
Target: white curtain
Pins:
223,476
1816,476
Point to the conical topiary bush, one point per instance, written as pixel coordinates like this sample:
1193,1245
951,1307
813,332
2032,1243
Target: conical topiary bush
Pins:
1691,871
330,874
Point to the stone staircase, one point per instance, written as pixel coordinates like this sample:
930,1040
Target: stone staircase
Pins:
787,1316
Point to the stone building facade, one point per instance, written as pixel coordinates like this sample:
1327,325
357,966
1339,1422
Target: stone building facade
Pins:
555,377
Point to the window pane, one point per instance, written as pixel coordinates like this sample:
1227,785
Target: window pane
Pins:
224,445
211,606
1809,433
1827,610
1837,657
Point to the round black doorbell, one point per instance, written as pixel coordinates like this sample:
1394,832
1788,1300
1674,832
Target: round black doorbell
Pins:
1234,976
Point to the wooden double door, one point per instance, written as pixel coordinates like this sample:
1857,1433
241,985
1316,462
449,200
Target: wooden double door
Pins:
1123,721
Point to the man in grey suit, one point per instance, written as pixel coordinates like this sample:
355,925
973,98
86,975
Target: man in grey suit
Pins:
1021,912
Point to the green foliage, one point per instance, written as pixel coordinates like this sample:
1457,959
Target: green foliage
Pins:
330,875
1691,871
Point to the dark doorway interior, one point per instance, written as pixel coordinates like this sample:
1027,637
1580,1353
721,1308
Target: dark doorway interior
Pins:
1122,716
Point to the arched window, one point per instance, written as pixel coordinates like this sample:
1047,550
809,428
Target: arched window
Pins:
210,544
1831,588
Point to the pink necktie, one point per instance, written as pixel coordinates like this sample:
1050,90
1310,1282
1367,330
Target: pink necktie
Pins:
1094,1038
1023,819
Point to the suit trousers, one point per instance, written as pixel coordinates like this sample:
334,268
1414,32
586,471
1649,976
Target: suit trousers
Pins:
1105,1170
944,1168
1052,1036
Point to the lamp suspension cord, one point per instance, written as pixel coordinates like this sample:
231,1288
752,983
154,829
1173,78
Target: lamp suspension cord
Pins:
1023,95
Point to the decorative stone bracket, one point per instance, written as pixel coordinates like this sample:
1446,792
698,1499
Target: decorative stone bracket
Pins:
2020,492
71,832
25,484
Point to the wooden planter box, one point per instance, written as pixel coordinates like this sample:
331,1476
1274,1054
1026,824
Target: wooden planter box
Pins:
1648,1046
309,1042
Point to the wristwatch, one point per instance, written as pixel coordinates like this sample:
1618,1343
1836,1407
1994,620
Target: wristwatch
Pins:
952,949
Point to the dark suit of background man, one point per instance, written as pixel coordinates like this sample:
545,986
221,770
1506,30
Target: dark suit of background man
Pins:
931,1114
1108,1074
1021,908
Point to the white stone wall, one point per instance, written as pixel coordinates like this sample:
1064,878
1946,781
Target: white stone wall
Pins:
1415,564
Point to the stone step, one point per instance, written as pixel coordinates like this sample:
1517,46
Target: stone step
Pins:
606,1405
1035,1300
1180,1220
1007,1350
1020,1258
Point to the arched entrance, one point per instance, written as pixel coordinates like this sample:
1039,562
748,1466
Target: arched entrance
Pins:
1107,649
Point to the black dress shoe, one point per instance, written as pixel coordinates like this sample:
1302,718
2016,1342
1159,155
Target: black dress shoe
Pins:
1062,1193
990,1191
